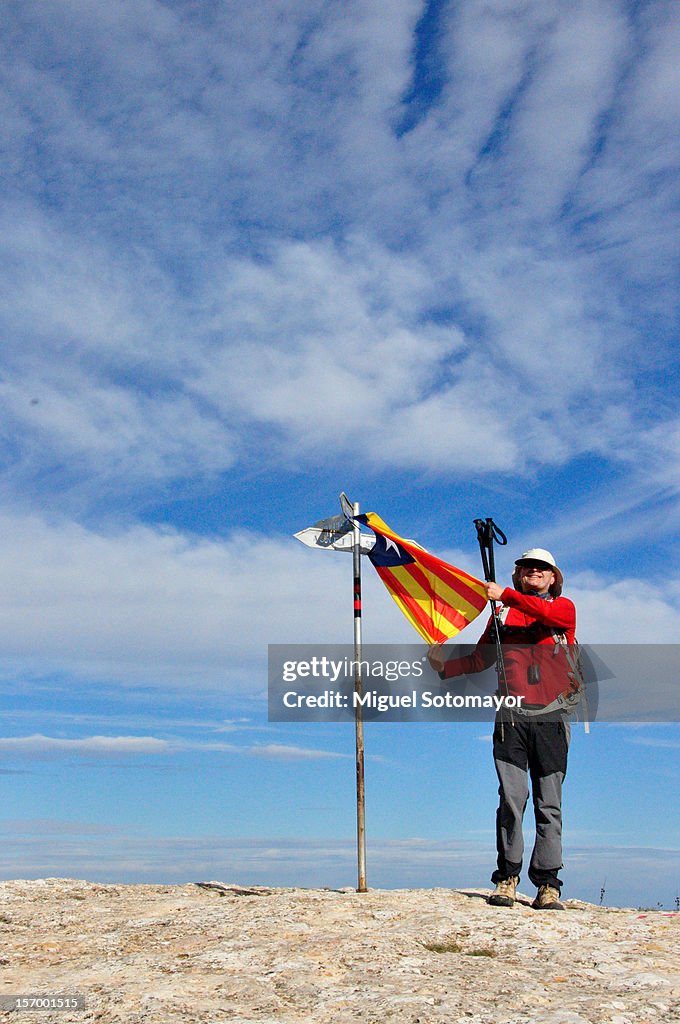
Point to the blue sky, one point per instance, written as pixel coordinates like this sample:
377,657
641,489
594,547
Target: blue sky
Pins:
254,255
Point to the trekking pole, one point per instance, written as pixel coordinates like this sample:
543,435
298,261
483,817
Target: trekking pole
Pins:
487,533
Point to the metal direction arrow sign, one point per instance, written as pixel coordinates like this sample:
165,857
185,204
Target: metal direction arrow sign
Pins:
347,506
324,535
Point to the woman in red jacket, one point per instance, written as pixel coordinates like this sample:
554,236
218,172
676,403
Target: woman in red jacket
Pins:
537,625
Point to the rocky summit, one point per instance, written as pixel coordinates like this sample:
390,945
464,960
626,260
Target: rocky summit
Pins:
73,951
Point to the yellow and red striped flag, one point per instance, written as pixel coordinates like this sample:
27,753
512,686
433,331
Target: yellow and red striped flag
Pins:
438,599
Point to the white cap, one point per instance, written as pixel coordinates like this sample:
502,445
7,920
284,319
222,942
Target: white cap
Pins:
537,555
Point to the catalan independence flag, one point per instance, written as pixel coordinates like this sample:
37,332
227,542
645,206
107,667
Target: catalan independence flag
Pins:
437,599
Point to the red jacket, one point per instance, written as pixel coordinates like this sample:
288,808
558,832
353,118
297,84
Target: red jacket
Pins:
536,666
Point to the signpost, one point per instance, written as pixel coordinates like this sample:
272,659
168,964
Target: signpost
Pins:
342,533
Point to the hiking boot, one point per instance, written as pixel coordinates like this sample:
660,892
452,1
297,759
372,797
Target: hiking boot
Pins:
505,893
547,898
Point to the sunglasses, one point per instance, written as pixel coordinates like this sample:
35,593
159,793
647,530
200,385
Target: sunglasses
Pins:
534,568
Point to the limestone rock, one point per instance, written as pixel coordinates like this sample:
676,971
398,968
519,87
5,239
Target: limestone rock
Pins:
213,952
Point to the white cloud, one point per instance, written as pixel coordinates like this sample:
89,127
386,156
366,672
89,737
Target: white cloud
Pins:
221,246
657,742
332,348
163,316
323,346
149,604
155,606
97,745
572,82
38,745
285,752
627,611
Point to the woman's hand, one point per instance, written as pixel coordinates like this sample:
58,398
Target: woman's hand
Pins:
436,657
493,591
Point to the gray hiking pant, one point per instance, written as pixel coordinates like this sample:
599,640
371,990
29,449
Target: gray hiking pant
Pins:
534,749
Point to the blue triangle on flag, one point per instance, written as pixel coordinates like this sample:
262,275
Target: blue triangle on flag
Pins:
386,553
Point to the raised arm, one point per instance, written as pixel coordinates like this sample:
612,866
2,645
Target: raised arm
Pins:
559,614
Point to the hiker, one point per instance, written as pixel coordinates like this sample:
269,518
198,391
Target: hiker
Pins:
536,625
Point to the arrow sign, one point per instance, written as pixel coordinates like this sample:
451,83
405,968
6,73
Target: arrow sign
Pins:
346,506
335,533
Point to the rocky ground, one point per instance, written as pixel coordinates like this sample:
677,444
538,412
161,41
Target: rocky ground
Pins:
218,952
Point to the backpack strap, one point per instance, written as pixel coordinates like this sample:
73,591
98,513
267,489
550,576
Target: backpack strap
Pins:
569,699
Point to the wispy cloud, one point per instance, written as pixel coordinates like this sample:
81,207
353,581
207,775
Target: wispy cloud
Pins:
106,745
159,606
150,719
492,248
38,745
658,742
281,751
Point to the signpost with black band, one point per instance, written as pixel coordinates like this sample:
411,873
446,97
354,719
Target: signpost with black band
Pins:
342,533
